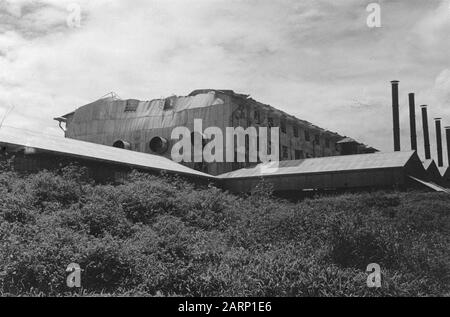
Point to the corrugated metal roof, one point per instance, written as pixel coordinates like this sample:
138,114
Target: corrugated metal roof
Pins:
201,98
86,150
325,165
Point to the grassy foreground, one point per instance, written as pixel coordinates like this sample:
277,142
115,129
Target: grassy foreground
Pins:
161,236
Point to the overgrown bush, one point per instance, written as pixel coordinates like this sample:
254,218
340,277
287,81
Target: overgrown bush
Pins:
160,235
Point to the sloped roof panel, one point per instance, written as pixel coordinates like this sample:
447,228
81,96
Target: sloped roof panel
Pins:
86,150
325,165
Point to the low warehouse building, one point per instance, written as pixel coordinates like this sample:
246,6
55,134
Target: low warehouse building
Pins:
370,171
34,151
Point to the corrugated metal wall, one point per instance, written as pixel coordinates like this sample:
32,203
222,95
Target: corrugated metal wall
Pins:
107,121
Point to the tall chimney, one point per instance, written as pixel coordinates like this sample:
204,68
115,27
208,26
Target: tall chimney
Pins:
412,121
426,133
447,132
395,115
439,141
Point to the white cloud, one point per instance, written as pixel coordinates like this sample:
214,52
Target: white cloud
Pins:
315,59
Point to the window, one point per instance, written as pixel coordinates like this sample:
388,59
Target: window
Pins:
257,117
307,136
270,122
285,152
299,155
317,139
327,143
295,131
283,125
168,104
131,105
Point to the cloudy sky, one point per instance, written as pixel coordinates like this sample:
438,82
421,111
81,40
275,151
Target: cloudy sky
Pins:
316,59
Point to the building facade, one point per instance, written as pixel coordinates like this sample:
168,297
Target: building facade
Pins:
146,126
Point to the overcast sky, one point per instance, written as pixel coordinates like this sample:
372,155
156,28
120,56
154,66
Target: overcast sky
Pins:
315,59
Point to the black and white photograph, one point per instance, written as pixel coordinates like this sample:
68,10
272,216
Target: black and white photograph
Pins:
224,154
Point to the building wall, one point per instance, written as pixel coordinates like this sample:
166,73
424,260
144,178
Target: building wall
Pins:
137,122
308,140
381,178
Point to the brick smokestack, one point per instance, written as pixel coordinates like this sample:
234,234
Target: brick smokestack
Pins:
439,141
426,133
396,115
447,132
412,121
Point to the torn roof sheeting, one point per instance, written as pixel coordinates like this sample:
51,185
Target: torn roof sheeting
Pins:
325,165
91,151
115,108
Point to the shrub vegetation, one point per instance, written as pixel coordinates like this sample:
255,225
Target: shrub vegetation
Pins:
162,236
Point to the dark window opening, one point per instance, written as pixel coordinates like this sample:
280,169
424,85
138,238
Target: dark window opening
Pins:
317,139
257,117
307,136
285,152
327,143
247,148
299,155
168,103
131,105
270,122
295,131
283,125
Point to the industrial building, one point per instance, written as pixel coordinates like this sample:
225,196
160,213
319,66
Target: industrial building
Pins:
371,171
146,126
112,136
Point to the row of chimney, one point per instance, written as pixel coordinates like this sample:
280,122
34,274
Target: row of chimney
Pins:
412,120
